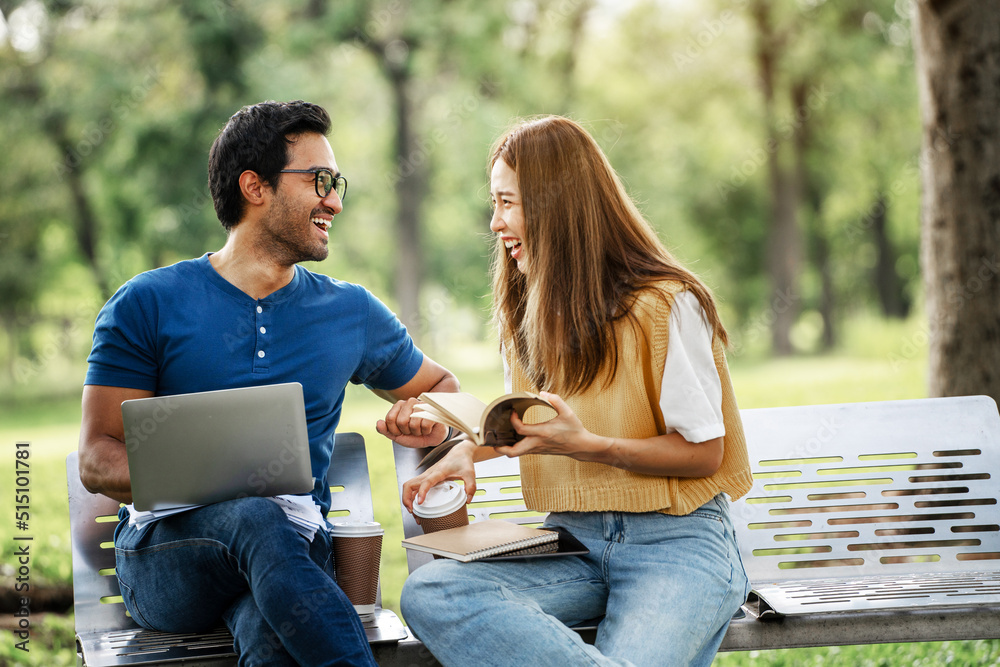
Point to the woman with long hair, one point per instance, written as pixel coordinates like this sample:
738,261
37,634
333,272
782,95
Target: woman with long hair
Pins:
627,345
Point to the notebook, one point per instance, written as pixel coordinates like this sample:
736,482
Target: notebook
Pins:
483,539
207,447
567,545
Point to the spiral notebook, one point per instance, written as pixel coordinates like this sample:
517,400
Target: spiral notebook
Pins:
484,539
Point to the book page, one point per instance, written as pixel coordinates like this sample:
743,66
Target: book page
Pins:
496,429
425,412
464,409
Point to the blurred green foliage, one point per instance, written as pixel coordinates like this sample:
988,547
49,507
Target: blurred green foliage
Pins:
107,111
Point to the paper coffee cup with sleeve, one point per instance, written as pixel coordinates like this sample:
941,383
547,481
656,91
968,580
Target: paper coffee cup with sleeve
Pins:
357,550
443,508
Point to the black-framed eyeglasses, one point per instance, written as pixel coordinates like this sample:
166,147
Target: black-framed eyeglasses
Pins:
325,181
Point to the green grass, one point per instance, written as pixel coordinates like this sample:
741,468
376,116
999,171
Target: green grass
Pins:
878,361
52,644
52,429
922,654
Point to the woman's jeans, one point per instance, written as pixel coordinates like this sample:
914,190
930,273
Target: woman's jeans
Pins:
666,585
243,562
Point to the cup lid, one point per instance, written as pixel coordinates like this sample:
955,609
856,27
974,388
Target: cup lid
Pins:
441,500
356,528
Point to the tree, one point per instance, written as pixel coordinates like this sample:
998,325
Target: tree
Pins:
415,45
958,67
794,88
870,128
784,246
408,40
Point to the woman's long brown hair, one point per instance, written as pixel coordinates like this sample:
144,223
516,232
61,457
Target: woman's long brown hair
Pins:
588,252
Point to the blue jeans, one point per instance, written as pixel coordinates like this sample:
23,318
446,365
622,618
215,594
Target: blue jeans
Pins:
242,562
667,587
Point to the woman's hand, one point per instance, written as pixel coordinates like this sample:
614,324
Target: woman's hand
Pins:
564,434
661,455
400,426
458,463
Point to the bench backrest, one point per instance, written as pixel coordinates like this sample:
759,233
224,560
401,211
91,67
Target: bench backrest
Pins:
885,505
860,489
93,517
847,490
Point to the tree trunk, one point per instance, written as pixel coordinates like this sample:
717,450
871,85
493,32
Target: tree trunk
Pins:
86,227
820,243
958,67
408,180
10,324
888,284
566,63
411,169
784,242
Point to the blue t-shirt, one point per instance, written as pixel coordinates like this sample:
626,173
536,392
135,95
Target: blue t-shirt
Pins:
184,328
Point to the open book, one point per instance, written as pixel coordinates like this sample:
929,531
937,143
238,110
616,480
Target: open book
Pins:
483,539
487,425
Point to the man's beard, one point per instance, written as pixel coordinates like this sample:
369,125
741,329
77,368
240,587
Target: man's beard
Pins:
287,240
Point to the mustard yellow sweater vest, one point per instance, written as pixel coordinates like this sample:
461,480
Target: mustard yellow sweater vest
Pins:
628,407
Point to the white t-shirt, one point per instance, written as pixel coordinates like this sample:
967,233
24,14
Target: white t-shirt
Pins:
691,392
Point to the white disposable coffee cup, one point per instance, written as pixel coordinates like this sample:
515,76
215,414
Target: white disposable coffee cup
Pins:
443,507
357,549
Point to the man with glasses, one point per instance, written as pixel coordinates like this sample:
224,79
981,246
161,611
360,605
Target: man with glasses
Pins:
243,316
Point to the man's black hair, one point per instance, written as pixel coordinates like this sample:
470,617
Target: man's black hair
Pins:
256,139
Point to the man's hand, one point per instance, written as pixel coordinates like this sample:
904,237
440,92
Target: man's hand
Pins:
400,426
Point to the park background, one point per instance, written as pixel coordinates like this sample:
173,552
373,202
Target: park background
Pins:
775,145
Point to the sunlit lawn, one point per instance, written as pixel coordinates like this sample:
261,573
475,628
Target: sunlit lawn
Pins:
880,362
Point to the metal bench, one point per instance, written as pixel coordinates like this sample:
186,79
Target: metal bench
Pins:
867,523
106,635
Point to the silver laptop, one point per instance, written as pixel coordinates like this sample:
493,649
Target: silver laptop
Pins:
207,447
